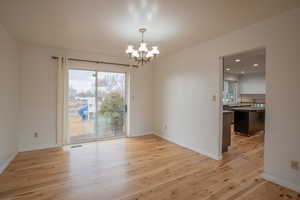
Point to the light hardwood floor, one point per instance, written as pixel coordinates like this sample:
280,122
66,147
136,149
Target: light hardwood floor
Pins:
147,167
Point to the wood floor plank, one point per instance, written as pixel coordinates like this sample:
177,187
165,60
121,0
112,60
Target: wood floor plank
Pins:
145,167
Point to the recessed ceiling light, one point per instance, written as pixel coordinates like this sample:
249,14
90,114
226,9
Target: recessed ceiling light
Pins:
237,60
242,72
255,65
227,69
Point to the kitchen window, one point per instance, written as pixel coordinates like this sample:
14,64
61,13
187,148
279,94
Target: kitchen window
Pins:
230,94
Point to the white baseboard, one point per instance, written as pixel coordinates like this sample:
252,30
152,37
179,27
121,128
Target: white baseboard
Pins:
40,147
4,166
281,182
48,146
141,134
210,155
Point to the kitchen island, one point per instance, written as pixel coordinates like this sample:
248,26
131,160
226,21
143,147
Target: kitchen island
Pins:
234,105
249,120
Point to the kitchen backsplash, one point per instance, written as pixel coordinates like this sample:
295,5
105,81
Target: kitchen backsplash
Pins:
253,98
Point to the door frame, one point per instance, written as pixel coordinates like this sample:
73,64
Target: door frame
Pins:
128,93
221,88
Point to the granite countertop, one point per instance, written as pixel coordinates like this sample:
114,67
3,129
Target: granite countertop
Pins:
227,111
237,105
249,108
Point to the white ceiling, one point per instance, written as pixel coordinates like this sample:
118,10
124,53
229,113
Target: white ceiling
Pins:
108,26
246,63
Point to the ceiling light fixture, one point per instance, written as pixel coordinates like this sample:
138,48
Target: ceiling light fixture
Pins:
142,54
242,72
255,65
237,60
227,69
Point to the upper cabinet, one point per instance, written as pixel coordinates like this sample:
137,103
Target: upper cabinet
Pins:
252,83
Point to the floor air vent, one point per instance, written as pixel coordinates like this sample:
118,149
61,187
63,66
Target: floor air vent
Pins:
76,146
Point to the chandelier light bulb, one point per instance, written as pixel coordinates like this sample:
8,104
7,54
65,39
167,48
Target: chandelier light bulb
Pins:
135,54
149,54
130,49
143,47
155,50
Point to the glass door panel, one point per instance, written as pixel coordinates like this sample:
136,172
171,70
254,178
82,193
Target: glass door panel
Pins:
81,106
111,104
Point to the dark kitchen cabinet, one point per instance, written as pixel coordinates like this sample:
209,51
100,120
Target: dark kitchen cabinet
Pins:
226,137
249,121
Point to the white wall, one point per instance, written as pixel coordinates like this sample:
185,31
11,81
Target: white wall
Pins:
231,77
253,83
38,95
8,98
186,81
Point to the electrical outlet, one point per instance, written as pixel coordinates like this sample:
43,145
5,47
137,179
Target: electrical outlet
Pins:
35,134
294,164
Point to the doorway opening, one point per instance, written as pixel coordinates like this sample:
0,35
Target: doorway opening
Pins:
97,105
243,104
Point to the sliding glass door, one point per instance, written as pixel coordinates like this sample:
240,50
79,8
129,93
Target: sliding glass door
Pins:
111,104
81,105
96,106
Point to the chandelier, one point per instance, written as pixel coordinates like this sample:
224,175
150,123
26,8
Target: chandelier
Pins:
142,54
